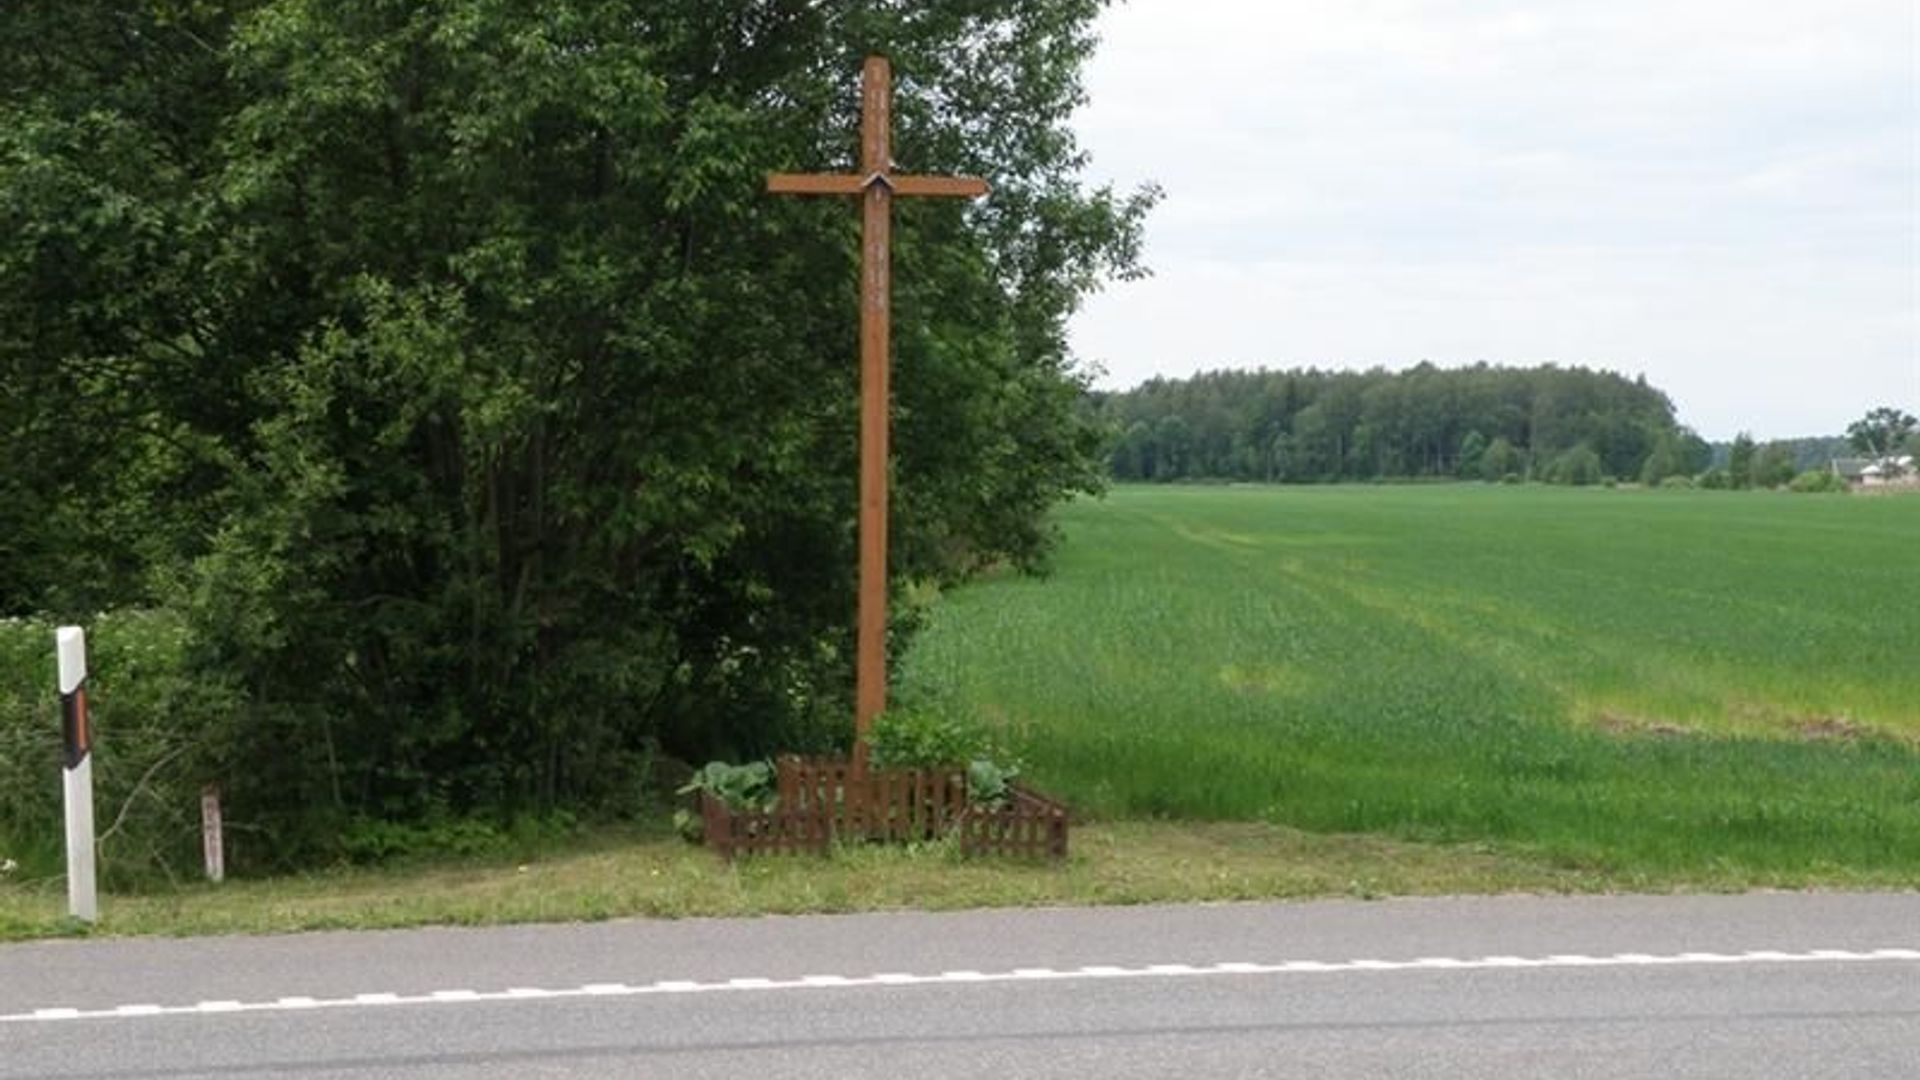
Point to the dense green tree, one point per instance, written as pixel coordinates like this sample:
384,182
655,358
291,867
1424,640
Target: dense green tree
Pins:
1502,460
1579,467
447,363
1133,450
1740,461
120,373
1173,448
1696,453
1667,458
1316,447
1883,431
1423,422
1812,452
1773,465
1473,451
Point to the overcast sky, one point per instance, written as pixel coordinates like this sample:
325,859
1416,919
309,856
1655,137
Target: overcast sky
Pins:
1720,194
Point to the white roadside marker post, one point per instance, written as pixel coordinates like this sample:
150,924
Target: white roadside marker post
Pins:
71,648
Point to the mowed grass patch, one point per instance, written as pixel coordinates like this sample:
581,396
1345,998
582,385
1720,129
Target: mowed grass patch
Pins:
625,873
1627,681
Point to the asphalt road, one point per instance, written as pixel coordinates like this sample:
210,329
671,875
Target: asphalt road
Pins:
1775,986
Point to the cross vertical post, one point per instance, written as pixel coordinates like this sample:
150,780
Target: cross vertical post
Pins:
876,396
876,184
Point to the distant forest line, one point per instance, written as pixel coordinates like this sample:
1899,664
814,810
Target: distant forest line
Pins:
1563,424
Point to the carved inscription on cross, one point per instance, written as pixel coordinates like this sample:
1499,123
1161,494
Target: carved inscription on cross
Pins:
877,185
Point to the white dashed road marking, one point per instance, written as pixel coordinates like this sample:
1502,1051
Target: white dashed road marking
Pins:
843,982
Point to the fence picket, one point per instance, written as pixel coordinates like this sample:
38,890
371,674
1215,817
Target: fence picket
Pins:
820,799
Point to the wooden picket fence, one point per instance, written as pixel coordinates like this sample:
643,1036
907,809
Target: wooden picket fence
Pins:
822,800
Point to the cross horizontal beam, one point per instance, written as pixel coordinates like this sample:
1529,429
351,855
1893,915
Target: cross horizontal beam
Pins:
959,187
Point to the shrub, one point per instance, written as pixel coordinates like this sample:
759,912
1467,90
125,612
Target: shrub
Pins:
926,739
1818,482
989,784
1677,483
923,739
160,732
369,840
1502,460
744,788
1716,480
1579,467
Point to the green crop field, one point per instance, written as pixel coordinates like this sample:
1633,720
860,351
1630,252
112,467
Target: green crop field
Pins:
1632,681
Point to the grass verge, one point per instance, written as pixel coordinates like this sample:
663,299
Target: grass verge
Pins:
629,873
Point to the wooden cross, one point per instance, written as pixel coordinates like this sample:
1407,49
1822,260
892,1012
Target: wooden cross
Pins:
877,184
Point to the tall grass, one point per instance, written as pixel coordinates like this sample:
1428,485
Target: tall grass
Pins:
1616,679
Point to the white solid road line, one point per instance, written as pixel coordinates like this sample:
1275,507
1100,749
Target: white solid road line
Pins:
1428,964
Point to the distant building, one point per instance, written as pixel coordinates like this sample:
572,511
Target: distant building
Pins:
1875,472
1851,469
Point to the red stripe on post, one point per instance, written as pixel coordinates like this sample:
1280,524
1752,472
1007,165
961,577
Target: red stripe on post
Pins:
77,732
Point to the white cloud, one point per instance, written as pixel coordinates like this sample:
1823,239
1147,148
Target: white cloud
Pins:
1718,194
